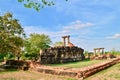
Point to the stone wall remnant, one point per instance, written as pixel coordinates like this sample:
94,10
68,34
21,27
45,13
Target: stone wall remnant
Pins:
98,51
62,55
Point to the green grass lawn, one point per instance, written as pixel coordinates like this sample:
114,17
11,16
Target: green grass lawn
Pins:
112,73
79,64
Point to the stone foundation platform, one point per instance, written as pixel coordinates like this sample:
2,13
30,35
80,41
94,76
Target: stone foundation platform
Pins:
75,72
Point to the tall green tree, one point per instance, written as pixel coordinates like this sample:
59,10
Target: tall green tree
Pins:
37,4
11,34
36,42
40,41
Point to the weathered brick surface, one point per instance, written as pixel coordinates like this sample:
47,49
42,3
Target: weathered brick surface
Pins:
61,55
16,64
77,72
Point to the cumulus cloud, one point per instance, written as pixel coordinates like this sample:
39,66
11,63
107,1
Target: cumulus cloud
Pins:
36,29
40,30
73,28
32,29
78,25
115,36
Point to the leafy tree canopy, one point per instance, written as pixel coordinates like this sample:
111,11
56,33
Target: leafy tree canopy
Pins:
11,34
37,42
37,4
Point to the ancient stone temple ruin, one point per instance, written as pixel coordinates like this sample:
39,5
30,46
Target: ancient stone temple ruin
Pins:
62,54
99,54
97,51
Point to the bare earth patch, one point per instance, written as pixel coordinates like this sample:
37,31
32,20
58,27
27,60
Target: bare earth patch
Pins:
30,75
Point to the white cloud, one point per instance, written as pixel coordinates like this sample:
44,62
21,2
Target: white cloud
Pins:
35,29
74,29
77,25
41,30
115,36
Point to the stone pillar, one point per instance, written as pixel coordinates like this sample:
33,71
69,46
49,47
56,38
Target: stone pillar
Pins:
98,51
41,51
102,50
64,42
68,39
94,52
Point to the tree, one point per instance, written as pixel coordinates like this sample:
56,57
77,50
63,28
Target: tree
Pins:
35,43
37,4
11,34
40,41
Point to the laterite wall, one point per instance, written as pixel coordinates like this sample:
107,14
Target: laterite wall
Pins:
62,55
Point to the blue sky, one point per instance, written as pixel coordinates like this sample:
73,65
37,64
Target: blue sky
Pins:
90,23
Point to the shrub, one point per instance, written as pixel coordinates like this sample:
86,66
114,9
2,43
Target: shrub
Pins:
6,56
30,56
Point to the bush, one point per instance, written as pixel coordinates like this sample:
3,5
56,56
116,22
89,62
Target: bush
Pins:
116,53
30,56
6,56
2,57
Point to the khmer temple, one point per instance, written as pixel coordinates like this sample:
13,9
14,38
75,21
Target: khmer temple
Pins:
62,54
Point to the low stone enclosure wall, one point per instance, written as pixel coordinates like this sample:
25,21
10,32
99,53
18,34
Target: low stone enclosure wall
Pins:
79,73
61,55
16,64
